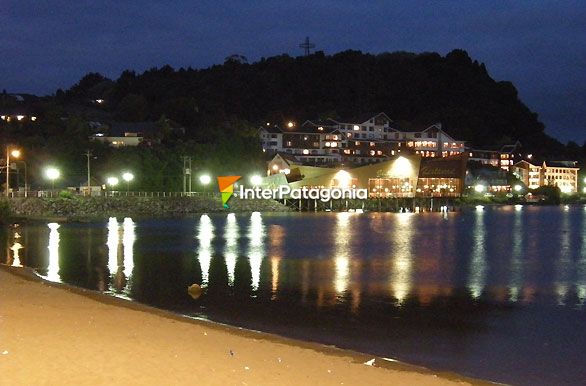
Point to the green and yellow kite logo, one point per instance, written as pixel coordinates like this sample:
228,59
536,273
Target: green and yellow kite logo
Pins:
226,185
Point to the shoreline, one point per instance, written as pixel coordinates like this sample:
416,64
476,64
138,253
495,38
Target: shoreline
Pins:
55,300
141,216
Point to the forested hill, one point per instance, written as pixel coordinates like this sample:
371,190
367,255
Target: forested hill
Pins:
413,89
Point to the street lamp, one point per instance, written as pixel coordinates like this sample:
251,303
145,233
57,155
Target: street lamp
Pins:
25,178
15,153
112,181
52,174
205,180
256,180
479,188
127,176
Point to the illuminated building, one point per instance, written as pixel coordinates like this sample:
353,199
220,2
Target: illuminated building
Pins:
407,175
360,140
563,174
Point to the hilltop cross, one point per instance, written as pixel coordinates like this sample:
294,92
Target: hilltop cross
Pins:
306,45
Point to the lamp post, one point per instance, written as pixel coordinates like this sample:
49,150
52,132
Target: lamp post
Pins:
16,154
25,179
52,174
205,180
112,181
127,176
256,180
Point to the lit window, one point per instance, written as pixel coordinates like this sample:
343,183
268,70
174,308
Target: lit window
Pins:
305,151
356,127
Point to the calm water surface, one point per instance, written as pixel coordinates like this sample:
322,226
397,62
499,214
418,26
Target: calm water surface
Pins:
496,293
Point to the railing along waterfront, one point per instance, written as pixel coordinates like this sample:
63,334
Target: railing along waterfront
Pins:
110,193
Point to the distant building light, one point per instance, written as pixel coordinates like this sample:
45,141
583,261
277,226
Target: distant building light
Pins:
33,119
320,128
268,123
19,117
343,178
3,117
99,101
99,134
356,127
290,124
305,151
275,167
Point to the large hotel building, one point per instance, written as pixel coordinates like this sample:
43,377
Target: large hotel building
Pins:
360,141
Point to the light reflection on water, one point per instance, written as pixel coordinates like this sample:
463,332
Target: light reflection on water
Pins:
256,250
53,266
409,258
205,235
402,261
478,264
376,273
231,235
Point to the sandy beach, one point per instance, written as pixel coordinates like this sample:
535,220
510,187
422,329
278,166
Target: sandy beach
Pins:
56,335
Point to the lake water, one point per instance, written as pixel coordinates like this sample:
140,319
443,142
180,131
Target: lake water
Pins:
496,293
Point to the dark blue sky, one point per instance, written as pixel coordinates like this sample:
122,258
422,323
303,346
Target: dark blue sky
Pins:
538,45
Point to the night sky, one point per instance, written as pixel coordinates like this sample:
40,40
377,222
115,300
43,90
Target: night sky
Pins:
538,45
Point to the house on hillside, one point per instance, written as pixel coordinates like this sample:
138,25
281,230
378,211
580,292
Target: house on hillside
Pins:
120,134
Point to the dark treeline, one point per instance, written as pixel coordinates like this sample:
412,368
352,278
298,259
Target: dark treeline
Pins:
414,89
221,107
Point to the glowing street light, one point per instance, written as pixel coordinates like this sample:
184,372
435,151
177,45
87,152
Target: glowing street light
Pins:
52,174
290,124
205,180
518,188
127,176
112,181
479,188
256,180
15,154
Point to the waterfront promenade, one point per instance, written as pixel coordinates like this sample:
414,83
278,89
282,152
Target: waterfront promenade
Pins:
51,335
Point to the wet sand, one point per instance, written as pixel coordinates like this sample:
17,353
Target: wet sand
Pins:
52,334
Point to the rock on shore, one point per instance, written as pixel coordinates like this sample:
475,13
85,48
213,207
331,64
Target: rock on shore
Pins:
79,207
